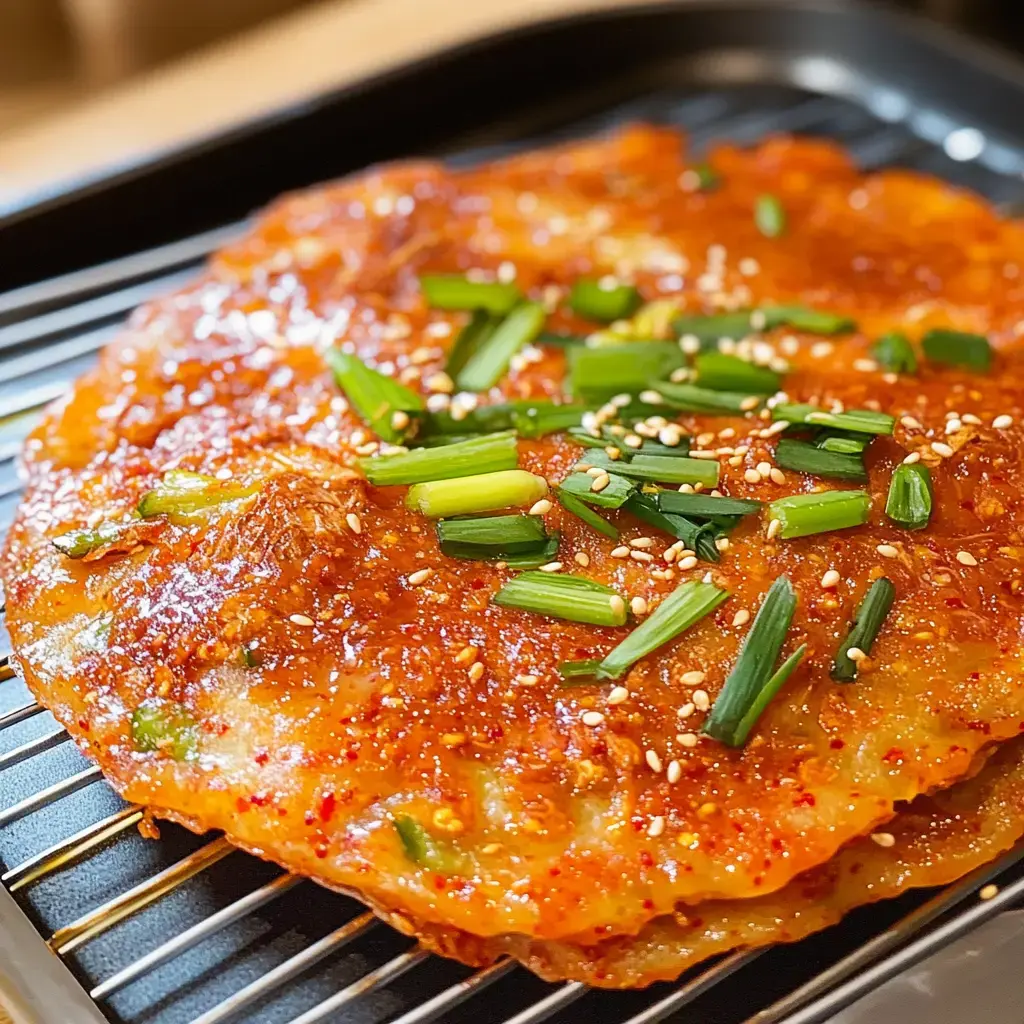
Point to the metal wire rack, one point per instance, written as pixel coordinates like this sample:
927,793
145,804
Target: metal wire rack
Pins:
364,972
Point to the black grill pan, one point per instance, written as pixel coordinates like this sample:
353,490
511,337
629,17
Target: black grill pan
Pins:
182,931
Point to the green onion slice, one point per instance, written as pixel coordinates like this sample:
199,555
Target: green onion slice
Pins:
861,421
701,506
958,348
579,485
699,537
691,398
563,597
910,496
768,691
714,327
894,352
579,673
560,339
592,301
505,535
535,419
480,327
423,849
576,507
487,454
181,495
805,514
453,291
770,216
485,492
597,374
668,469
162,725
753,669
803,318
537,557
722,372
843,444
488,363
866,624
686,605
84,541
707,177
806,458
374,396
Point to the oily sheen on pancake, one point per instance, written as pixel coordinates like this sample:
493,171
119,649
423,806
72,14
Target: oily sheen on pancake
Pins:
389,686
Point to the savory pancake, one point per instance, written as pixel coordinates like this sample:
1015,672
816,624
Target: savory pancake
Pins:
248,635
933,841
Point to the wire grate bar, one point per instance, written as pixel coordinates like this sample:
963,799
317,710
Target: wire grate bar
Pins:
692,990
52,793
291,968
196,934
22,714
383,975
30,400
105,275
105,916
70,849
85,314
32,748
902,931
6,669
550,1005
457,994
825,1008
59,352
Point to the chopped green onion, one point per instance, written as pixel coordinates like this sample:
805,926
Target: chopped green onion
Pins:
489,362
579,485
686,605
535,419
768,691
708,506
423,849
484,419
563,597
667,469
690,398
806,458
573,505
81,542
501,535
167,726
803,318
480,327
894,352
181,494
465,495
862,421
648,447
713,328
866,624
770,216
753,669
804,514
486,454
560,339
699,537
250,654
534,559
842,444
910,496
958,348
596,374
579,673
382,402
453,291
591,300
707,177
722,372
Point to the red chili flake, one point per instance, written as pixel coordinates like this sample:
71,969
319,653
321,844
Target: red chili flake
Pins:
309,817
260,799
320,849
555,871
352,755
893,754
805,800
262,757
83,724
646,860
241,804
477,583
327,804
648,904
440,882
836,744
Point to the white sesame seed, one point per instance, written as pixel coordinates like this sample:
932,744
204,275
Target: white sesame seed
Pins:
749,404
952,426
618,695
687,563
632,441
701,699
912,458
620,552
581,558
752,476
420,576
300,620
855,654
592,718
617,605
674,772
722,543
638,606
367,449
970,418
399,419
687,739
466,655
641,556
966,558
353,522
441,382
777,476
656,827
551,567
653,761
540,508
701,453
601,482
527,680
437,403
865,365
989,892
641,542
888,551
694,678
910,423
830,579
741,618
1002,422
773,528
476,672
687,709
941,448
821,349
884,839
